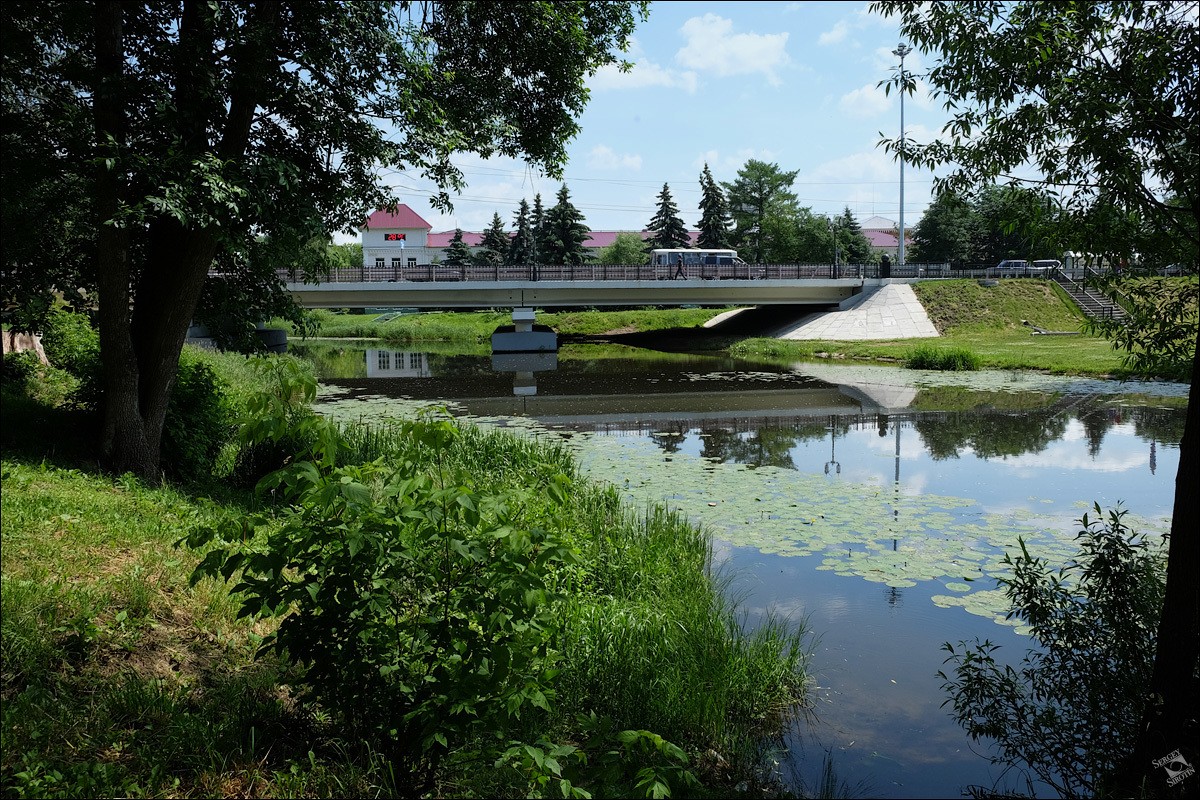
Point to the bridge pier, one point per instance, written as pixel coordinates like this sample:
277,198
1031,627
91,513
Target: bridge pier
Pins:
523,336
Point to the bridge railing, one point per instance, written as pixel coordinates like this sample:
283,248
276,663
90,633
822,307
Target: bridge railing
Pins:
443,273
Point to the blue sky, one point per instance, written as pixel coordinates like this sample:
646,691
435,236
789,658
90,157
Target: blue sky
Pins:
793,83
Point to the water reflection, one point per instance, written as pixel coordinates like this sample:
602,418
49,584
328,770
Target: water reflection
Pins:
851,503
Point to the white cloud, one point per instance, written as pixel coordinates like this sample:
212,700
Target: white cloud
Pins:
725,167
644,74
604,157
712,46
865,102
834,35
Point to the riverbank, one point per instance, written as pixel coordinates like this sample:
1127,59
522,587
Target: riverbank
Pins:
995,323
125,676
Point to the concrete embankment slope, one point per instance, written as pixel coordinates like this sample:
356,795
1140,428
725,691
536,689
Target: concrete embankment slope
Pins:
891,311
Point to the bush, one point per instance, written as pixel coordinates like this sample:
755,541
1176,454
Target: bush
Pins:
1070,713
949,360
421,610
71,343
199,420
24,374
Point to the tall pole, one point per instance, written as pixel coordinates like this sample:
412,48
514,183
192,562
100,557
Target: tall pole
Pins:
901,51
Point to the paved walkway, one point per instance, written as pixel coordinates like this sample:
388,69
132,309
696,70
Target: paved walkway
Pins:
891,312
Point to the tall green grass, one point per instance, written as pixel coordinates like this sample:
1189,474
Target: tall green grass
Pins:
949,359
120,678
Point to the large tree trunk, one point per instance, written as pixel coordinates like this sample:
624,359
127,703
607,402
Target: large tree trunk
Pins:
1169,717
123,436
144,321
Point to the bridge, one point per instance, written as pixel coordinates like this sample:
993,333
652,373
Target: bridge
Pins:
583,285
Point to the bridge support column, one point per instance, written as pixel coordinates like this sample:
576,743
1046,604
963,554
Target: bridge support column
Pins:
523,319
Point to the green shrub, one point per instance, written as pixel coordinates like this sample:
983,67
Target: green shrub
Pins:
71,343
421,610
954,359
1070,711
199,420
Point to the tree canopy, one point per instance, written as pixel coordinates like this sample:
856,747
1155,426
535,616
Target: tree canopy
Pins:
627,248
565,232
760,191
715,220
153,143
667,229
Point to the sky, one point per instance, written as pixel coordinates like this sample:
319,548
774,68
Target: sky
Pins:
789,83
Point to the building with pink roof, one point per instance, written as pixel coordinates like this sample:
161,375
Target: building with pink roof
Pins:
402,238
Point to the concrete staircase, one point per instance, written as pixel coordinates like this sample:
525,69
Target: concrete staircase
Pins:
1092,302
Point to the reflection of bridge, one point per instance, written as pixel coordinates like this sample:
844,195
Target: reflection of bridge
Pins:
584,285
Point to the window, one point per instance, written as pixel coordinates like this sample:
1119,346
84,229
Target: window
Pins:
385,359
395,263
379,263
412,262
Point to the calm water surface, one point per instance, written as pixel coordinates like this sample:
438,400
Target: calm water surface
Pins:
874,503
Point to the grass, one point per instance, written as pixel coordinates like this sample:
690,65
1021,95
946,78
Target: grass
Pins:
119,677
984,321
477,326
987,322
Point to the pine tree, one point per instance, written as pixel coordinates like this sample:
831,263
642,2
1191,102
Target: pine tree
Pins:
494,245
537,222
667,227
853,244
521,249
458,254
715,220
565,232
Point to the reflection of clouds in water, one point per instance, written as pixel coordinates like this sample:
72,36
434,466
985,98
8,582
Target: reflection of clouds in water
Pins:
1063,458
1074,432
911,447
914,484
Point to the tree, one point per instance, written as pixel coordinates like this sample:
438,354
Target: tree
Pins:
345,256
945,231
537,221
760,190
714,214
666,227
458,254
854,246
565,232
627,248
1102,101
521,249
178,135
493,246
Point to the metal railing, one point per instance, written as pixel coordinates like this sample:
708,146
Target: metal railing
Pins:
442,273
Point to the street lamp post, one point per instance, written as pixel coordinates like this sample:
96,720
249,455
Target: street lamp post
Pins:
901,51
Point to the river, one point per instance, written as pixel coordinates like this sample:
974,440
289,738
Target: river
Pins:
873,503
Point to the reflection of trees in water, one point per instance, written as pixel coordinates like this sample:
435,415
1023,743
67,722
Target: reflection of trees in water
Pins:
1162,425
989,434
670,436
763,447
1096,422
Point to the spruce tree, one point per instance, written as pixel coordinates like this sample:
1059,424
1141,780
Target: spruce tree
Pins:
715,220
667,226
494,245
458,254
537,222
854,245
520,250
565,232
